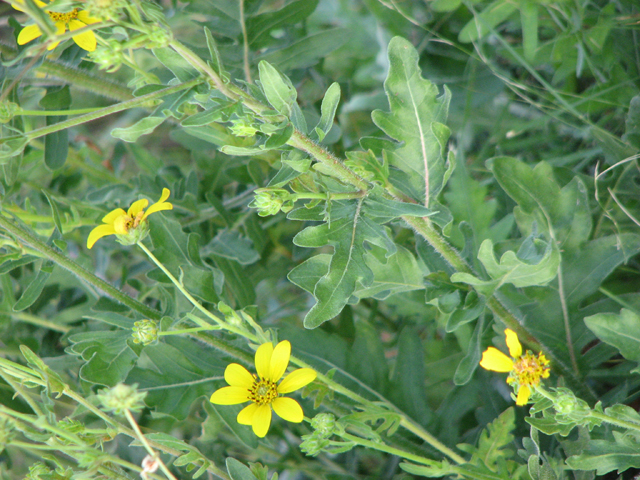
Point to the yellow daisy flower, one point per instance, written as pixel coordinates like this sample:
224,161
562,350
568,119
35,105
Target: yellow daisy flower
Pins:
130,226
262,391
525,371
72,20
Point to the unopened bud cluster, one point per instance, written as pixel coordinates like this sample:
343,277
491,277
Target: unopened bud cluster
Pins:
122,397
324,426
570,408
243,127
271,201
145,332
8,110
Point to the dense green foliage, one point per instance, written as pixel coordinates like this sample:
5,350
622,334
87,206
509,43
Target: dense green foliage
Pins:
387,184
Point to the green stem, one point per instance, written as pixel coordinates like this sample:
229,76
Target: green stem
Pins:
45,113
385,448
146,445
77,270
184,330
119,107
35,320
85,80
194,302
327,196
344,173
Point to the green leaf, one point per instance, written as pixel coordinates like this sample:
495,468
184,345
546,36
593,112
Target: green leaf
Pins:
416,118
55,213
107,355
56,144
216,60
529,19
493,442
309,50
398,273
232,245
605,456
239,471
383,210
406,388
621,331
563,212
471,360
259,27
432,469
281,94
278,89
35,287
228,414
174,62
10,147
484,22
366,358
632,131
328,111
143,126
177,373
346,235
519,271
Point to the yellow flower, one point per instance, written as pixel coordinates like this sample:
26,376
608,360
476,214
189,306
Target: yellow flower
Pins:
525,371
129,226
262,390
73,20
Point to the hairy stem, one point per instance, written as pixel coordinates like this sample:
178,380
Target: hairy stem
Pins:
47,252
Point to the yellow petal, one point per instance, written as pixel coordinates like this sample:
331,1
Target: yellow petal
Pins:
263,359
137,206
84,17
245,417
515,349
38,3
288,409
160,204
28,34
524,393
238,376
230,396
61,27
99,232
496,361
261,420
112,215
85,40
297,379
279,360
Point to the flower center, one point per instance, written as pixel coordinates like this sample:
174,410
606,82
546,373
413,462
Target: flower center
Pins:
263,392
64,17
529,369
121,224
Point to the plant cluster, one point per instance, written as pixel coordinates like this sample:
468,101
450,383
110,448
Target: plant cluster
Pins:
362,206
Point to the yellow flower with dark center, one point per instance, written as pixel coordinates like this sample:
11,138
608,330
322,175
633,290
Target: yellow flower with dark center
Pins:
73,20
263,390
130,226
525,371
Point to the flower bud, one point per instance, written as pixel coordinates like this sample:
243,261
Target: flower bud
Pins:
569,407
122,397
145,332
312,444
134,234
8,110
324,424
109,9
159,37
243,127
108,57
271,201
7,432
